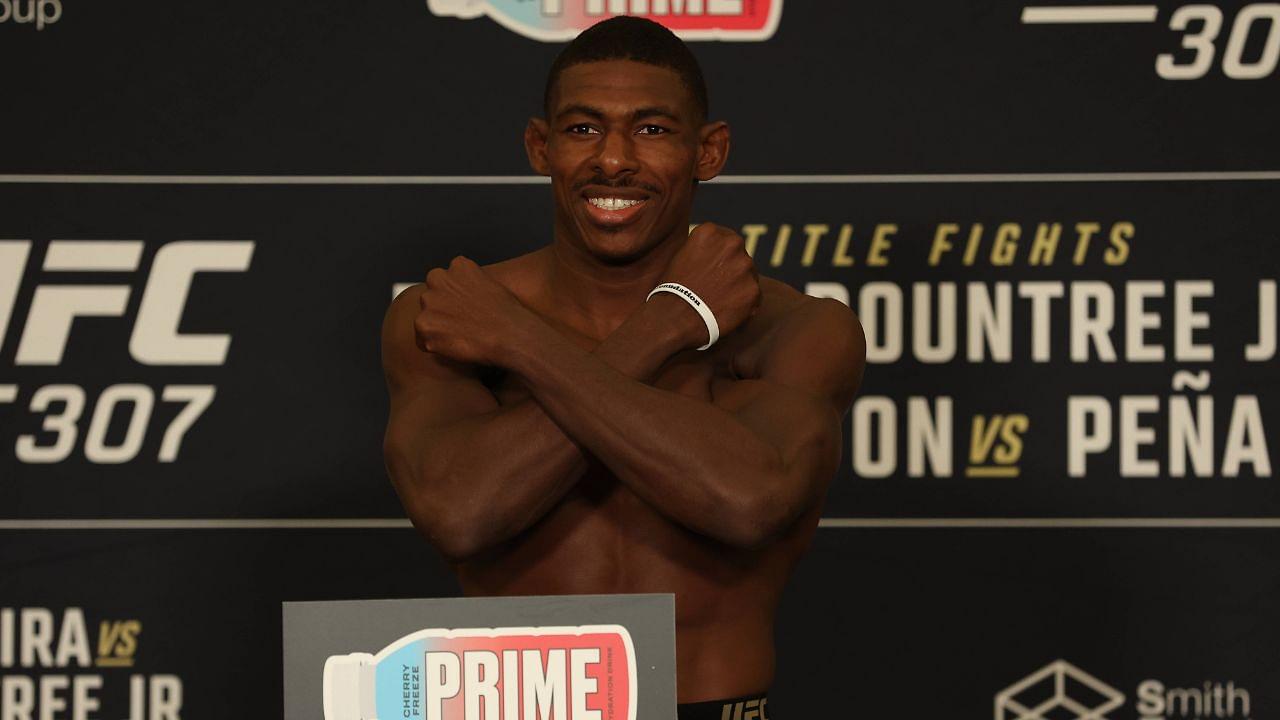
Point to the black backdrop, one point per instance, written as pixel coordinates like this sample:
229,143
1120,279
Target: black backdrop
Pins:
273,170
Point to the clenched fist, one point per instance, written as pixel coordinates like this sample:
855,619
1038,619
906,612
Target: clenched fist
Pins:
714,264
467,315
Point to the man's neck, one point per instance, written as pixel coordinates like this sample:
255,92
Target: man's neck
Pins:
603,295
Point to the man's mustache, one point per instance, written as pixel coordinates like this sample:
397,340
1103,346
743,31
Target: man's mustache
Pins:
600,181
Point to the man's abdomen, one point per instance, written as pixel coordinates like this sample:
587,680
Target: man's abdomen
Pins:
604,540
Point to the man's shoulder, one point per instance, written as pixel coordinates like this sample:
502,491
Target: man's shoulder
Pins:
779,299
787,311
520,274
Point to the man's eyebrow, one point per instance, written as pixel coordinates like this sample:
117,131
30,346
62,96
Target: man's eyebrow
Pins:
587,110
650,112
639,114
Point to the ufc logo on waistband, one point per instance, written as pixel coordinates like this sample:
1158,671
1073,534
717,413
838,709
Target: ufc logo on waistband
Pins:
745,710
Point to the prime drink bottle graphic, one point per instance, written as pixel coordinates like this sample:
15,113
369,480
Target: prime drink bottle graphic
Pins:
576,673
561,20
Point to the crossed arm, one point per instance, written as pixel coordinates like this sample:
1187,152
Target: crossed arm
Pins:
472,473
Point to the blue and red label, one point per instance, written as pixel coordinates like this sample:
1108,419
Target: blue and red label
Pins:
561,20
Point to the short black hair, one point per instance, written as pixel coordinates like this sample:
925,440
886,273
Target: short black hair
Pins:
632,38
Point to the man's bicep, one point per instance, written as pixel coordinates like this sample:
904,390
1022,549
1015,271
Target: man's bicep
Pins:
821,351
807,379
435,404
803,428
802,434
426,390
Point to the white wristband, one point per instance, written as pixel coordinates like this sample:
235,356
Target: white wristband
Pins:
713,328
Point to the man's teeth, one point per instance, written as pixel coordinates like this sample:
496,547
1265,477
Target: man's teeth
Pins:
613,203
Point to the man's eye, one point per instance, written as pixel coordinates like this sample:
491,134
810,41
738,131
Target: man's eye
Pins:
581,129
652,130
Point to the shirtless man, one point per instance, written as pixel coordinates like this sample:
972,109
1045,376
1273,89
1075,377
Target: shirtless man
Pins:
552,432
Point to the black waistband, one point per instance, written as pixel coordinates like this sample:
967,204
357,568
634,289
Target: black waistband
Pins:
755,707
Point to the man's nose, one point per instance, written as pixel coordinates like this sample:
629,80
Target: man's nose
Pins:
616,154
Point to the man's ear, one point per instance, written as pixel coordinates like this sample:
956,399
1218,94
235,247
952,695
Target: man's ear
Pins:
713,150
535,145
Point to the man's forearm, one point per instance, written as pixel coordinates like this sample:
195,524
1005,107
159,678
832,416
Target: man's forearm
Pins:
496,487
693,461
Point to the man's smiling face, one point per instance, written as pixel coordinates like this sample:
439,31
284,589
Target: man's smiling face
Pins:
623,143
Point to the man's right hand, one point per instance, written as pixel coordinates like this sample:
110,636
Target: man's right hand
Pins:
714,263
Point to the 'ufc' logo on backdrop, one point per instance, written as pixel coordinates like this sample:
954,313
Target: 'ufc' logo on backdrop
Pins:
155,339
